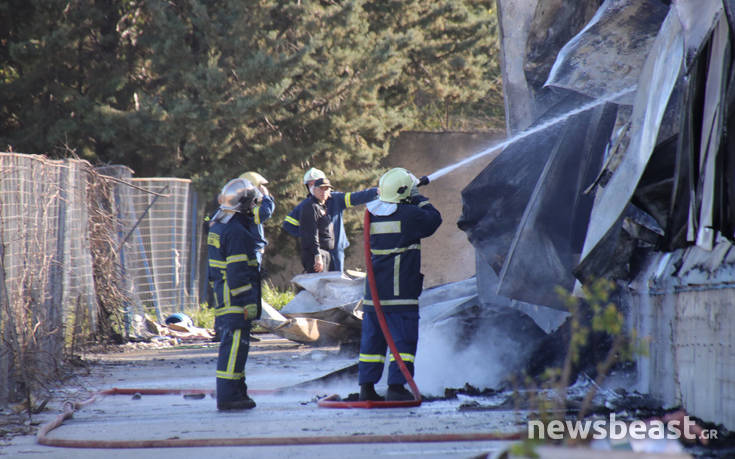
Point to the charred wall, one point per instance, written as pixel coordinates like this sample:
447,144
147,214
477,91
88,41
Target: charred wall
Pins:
649,203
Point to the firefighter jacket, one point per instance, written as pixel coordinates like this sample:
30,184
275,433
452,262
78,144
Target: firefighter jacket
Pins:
395,252
234,272
336,204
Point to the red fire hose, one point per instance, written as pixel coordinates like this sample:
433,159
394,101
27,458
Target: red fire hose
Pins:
69,409
333,400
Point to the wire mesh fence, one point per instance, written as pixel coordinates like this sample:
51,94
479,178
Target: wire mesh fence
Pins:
83,253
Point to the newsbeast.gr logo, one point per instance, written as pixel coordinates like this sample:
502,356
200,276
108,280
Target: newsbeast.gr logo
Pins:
615,429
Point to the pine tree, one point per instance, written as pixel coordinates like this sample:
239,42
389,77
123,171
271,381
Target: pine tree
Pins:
209,89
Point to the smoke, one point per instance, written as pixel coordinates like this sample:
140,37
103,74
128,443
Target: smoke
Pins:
474,345
440,364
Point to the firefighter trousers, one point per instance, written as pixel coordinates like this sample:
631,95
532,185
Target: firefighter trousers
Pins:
404,328
233,352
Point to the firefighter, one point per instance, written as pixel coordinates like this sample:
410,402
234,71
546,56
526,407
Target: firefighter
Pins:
335,205
261,213
316,230
235,273
400,218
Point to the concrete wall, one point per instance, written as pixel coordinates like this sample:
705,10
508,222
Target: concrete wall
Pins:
447,256
690,359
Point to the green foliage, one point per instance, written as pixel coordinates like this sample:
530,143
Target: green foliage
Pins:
595,314
206,89
275,297
203,317
525,448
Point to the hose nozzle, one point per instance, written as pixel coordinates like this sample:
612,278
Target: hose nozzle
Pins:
423,181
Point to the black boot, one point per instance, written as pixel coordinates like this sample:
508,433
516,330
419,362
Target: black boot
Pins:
245,395
398,393
244,404
367,393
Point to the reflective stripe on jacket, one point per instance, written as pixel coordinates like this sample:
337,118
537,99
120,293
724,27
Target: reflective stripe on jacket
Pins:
336,204
395,247
234,271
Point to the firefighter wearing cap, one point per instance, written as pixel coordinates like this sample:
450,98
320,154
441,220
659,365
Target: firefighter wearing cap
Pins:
234,272
400,218
335,205
316,230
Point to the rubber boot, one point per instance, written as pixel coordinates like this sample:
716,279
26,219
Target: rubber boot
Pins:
236,405
246,403
398,393
367,393
245,395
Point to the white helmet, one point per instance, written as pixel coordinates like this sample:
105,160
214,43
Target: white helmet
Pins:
313,174
239,195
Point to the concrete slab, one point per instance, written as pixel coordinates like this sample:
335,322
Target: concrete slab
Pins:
273,363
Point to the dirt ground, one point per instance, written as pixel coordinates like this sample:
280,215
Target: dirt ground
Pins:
274,363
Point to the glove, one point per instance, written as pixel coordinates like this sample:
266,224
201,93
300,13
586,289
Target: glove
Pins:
414,191
415,187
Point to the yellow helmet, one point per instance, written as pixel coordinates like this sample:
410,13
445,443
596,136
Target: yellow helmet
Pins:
395,185
254,178
313,174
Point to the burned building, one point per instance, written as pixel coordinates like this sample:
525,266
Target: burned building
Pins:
638,188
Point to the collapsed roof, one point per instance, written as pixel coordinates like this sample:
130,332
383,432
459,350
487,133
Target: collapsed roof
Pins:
650,167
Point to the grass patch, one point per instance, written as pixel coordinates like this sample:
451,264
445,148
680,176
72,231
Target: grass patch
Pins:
204,316
276,298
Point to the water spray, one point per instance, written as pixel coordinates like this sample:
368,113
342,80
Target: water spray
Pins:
523,134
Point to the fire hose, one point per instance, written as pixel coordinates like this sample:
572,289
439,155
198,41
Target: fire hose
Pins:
70,407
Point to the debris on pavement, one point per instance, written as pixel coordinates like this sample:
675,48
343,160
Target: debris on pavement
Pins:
327,311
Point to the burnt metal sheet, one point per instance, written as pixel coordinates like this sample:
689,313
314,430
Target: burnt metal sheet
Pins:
493,203
554,23
685,170
655,187
549,238
610,258
658,78
719,57
728,162
730,11
608,54
698,19
529,200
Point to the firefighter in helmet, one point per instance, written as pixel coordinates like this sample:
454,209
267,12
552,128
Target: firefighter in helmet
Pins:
399,219
234,272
